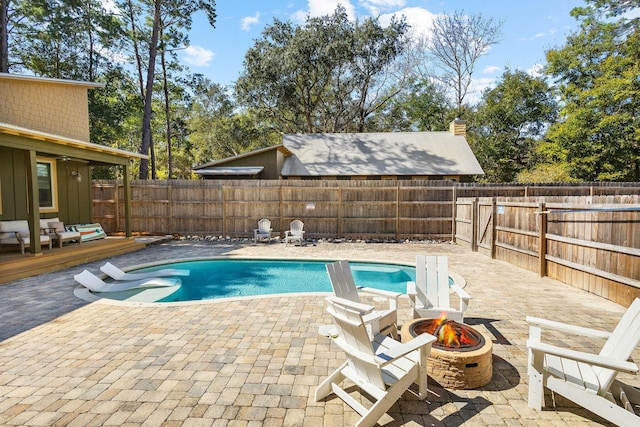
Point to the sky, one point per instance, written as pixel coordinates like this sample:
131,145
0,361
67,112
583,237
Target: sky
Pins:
529,29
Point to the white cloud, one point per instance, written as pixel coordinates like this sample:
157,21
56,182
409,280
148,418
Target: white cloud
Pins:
490,69
376,6
198,56
420,19
474,94
327,7
535,70
110,6
248,21
547,33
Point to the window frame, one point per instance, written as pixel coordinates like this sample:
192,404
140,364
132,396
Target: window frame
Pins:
53,178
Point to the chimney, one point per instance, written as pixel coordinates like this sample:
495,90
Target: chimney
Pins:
458,127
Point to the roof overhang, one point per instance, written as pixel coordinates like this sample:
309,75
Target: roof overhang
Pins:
37,79
281,148
29,139
238,170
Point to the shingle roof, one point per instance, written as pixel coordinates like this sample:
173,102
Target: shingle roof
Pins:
392,153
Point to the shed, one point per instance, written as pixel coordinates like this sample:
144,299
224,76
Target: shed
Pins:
383,155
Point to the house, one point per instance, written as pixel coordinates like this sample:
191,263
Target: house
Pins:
385,155
46,155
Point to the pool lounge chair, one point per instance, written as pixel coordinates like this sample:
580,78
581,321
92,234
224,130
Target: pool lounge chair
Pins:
117,274
96,284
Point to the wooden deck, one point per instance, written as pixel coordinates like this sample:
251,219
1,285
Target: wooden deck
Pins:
14,265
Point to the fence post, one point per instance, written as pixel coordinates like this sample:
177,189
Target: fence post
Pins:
339,212
542,240
474,225
224,213
494,211
397,210
116,199
170,207
454,201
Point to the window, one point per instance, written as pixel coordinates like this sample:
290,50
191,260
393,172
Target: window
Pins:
47,185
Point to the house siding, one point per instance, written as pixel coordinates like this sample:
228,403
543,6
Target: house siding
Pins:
74,198
52,108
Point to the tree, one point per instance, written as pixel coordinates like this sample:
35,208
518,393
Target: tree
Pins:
164,16
64,38
509,121
597,75
217,130
420,106
327,76
456,43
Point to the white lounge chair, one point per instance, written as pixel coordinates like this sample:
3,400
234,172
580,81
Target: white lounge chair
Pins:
585,378
117,274
429,295
295,233
263,231
345,287
96,284
16,232
383,368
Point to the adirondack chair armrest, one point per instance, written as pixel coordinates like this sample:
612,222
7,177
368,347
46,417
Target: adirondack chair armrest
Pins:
411,288
536,322
462,294
380,292
580,356
395,352
362,308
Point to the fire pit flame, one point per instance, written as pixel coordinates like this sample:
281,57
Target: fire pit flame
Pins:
450,334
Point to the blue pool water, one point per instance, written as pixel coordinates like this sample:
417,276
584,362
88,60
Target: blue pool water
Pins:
222,278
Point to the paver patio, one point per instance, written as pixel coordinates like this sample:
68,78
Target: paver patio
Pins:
257,361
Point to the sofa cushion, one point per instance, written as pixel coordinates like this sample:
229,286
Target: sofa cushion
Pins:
57,226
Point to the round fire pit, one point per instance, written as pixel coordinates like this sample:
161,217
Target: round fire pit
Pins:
461,358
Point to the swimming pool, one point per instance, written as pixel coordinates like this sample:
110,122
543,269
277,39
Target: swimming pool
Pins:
225,278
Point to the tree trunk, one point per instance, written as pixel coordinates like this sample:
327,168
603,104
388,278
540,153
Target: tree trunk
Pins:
146,119
167,113
4,36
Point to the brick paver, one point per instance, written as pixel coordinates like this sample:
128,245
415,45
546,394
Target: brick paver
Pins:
257,361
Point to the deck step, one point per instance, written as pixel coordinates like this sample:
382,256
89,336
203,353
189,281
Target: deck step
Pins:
18,266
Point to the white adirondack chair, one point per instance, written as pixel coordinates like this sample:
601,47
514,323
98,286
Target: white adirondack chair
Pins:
295,233
263,231
585,378
345,287
382,367
429,295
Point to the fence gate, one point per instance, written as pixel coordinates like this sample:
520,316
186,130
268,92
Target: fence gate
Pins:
484,237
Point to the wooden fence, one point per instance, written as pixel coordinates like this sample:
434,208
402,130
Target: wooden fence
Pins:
591,242
586,235
347,209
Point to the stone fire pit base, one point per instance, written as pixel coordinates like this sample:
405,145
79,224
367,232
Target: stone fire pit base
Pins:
457,369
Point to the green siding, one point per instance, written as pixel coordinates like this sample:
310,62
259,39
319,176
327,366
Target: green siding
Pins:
74,198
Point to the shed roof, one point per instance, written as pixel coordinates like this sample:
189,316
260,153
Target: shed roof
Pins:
229,170
390,153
